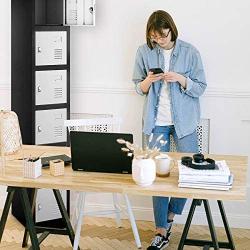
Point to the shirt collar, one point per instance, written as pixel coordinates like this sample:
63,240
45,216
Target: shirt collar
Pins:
175,49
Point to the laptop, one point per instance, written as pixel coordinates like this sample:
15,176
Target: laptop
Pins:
99,152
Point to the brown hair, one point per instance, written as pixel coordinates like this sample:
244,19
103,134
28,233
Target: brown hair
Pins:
158,21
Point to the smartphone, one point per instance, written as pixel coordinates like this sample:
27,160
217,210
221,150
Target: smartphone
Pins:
156,70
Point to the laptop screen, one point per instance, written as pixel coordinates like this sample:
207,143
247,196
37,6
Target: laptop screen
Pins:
99,152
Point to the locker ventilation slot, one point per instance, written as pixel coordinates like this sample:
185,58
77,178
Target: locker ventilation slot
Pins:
73,15
58,54
58,92
58,131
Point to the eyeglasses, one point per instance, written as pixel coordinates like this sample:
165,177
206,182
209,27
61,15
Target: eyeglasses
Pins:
155,39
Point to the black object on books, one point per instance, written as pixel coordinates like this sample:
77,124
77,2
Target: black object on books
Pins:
45,160
198,162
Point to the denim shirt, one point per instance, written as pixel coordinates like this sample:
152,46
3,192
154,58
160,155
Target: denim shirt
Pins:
185,105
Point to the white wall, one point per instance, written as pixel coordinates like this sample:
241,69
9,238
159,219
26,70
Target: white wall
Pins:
102,61
5,53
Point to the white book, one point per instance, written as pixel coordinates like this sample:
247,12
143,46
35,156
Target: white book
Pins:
205,178
204,187
200,181
213,186
222,169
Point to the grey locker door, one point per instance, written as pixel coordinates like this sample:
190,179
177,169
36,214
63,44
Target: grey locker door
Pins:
46,206
51,47
51,87
49,125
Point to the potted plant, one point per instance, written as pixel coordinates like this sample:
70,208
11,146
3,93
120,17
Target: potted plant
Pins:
143,164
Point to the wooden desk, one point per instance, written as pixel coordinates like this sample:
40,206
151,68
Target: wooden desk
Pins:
120,183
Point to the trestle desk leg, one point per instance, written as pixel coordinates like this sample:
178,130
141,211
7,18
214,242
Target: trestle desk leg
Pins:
132,221
32,201
188,223
29,218
65,215
226,225
211,225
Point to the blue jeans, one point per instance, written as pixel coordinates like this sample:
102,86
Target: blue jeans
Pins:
164,205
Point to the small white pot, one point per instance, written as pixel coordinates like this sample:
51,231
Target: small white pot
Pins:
143,171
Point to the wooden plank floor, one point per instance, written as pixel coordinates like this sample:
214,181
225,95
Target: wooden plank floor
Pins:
102,233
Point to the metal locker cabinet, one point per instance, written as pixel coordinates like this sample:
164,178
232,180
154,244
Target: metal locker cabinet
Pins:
49,125
51,48
40,43
46,206
51,87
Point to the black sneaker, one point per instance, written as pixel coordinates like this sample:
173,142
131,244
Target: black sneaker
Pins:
159,242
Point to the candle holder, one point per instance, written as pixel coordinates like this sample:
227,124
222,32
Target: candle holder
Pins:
56,167
32,168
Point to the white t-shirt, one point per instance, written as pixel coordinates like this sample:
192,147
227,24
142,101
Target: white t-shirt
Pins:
164,116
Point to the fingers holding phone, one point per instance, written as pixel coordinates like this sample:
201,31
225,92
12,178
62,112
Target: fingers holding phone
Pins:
154,77
169,77
156,70
155,74
172,77
151,78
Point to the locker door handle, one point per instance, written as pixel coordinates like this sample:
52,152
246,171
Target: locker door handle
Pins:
58,39
39,49
39,88
39,207
91,9
39,129
58,78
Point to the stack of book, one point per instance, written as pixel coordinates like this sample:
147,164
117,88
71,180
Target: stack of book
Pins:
219,178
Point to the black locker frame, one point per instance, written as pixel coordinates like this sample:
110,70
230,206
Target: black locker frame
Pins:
27,17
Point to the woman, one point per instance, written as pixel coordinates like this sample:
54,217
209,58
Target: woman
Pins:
172,102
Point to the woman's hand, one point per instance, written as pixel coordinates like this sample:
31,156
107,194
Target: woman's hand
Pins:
175,77
154,77
145,84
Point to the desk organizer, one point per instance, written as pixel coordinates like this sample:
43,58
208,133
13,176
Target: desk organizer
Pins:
56,167
32,168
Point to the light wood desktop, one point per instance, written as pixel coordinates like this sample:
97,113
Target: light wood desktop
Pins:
122,183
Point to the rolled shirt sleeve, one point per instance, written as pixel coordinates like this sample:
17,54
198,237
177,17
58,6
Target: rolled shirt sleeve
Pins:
139,73
196,82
